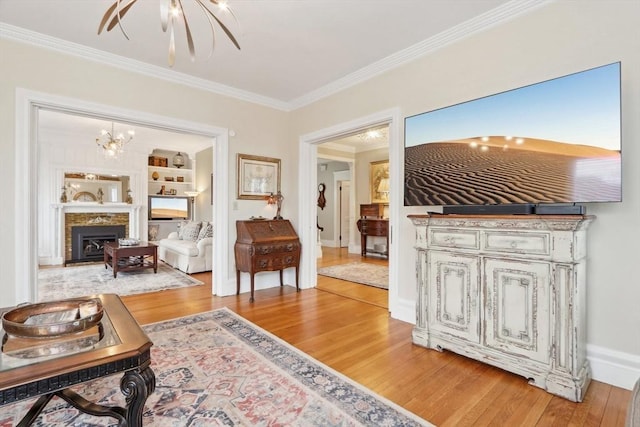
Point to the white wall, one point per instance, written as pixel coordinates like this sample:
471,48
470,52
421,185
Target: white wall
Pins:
560,38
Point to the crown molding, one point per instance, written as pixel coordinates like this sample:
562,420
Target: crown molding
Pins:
498,15
19,34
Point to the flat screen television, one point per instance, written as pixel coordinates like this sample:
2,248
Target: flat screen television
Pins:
169,208
552,143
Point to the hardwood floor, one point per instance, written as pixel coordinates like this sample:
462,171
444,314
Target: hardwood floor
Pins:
347,327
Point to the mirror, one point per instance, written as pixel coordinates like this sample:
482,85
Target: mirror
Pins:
86,187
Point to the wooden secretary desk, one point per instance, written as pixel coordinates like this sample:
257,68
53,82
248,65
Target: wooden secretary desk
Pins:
265,245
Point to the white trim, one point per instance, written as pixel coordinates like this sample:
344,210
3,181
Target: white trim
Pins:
308,159
12,32
493,17
613,367
25,145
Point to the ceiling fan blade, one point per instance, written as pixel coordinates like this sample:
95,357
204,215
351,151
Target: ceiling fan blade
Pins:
224,28
107,14
164,14
119,15
172,44
192,49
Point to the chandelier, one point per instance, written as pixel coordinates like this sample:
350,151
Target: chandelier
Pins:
112,145
171,13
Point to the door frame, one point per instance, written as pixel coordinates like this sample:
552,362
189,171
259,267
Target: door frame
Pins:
308,159
25,143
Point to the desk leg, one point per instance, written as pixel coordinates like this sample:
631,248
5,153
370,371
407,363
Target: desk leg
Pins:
281,282
252,282
297,274
237,282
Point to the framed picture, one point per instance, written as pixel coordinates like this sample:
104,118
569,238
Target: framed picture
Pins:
258,176
379,181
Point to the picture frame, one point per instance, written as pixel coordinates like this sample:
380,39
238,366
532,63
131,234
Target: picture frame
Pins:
379,181
258,177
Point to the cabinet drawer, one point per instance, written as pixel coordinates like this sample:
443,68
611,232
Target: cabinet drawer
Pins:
445,238
531,243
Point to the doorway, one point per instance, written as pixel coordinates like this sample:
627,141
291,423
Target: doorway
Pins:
26,145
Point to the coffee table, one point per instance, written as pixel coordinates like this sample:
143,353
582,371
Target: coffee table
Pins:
123,347
134,257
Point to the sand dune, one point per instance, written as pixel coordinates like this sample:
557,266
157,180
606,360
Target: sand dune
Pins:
451,173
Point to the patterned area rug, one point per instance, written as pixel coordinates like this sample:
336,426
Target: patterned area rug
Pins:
217,368
79,280
359,272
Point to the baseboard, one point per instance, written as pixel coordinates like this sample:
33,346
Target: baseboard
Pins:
608,366
404,310
613,367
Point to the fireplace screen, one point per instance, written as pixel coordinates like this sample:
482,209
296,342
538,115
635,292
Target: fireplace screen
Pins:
87,242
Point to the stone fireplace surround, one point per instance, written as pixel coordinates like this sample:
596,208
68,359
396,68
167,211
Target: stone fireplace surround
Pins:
100,220
93,214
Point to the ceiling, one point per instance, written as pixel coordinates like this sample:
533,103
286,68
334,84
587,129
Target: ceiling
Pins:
293,52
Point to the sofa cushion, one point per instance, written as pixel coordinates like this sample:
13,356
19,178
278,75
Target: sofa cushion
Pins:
189,230
183,247
205,231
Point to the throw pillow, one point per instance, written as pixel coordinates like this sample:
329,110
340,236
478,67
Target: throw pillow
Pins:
189,231
206,230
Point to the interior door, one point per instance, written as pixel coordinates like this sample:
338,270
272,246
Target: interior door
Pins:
345,221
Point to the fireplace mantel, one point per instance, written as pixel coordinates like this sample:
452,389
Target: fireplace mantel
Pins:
60,209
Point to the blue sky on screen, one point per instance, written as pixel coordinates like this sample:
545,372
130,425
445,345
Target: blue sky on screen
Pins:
581,108
170,203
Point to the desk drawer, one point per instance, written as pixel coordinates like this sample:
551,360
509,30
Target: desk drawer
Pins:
277,248
276,262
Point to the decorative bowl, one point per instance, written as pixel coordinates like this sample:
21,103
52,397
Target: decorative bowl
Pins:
55,318
128,242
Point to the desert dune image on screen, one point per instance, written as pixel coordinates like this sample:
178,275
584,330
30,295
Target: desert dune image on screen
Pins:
169,208
557,141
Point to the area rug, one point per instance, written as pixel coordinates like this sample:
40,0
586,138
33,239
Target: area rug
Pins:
217,368
359,272
79,280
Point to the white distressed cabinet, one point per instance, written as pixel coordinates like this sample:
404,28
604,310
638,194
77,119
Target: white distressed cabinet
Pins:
507,290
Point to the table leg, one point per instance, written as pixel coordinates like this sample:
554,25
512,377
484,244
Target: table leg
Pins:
155,260
252,281
237,282
136,387
281,282
363,245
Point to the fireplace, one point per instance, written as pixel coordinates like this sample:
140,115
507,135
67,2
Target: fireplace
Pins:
87,242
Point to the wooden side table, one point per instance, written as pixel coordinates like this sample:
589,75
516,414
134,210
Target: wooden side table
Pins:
126,258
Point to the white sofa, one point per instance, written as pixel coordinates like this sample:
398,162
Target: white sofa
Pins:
187,253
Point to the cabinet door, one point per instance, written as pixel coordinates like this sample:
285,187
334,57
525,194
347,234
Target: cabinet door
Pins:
517,307
453,294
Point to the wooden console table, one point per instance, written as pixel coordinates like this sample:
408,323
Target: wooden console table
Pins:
373,227
123,348
265,245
